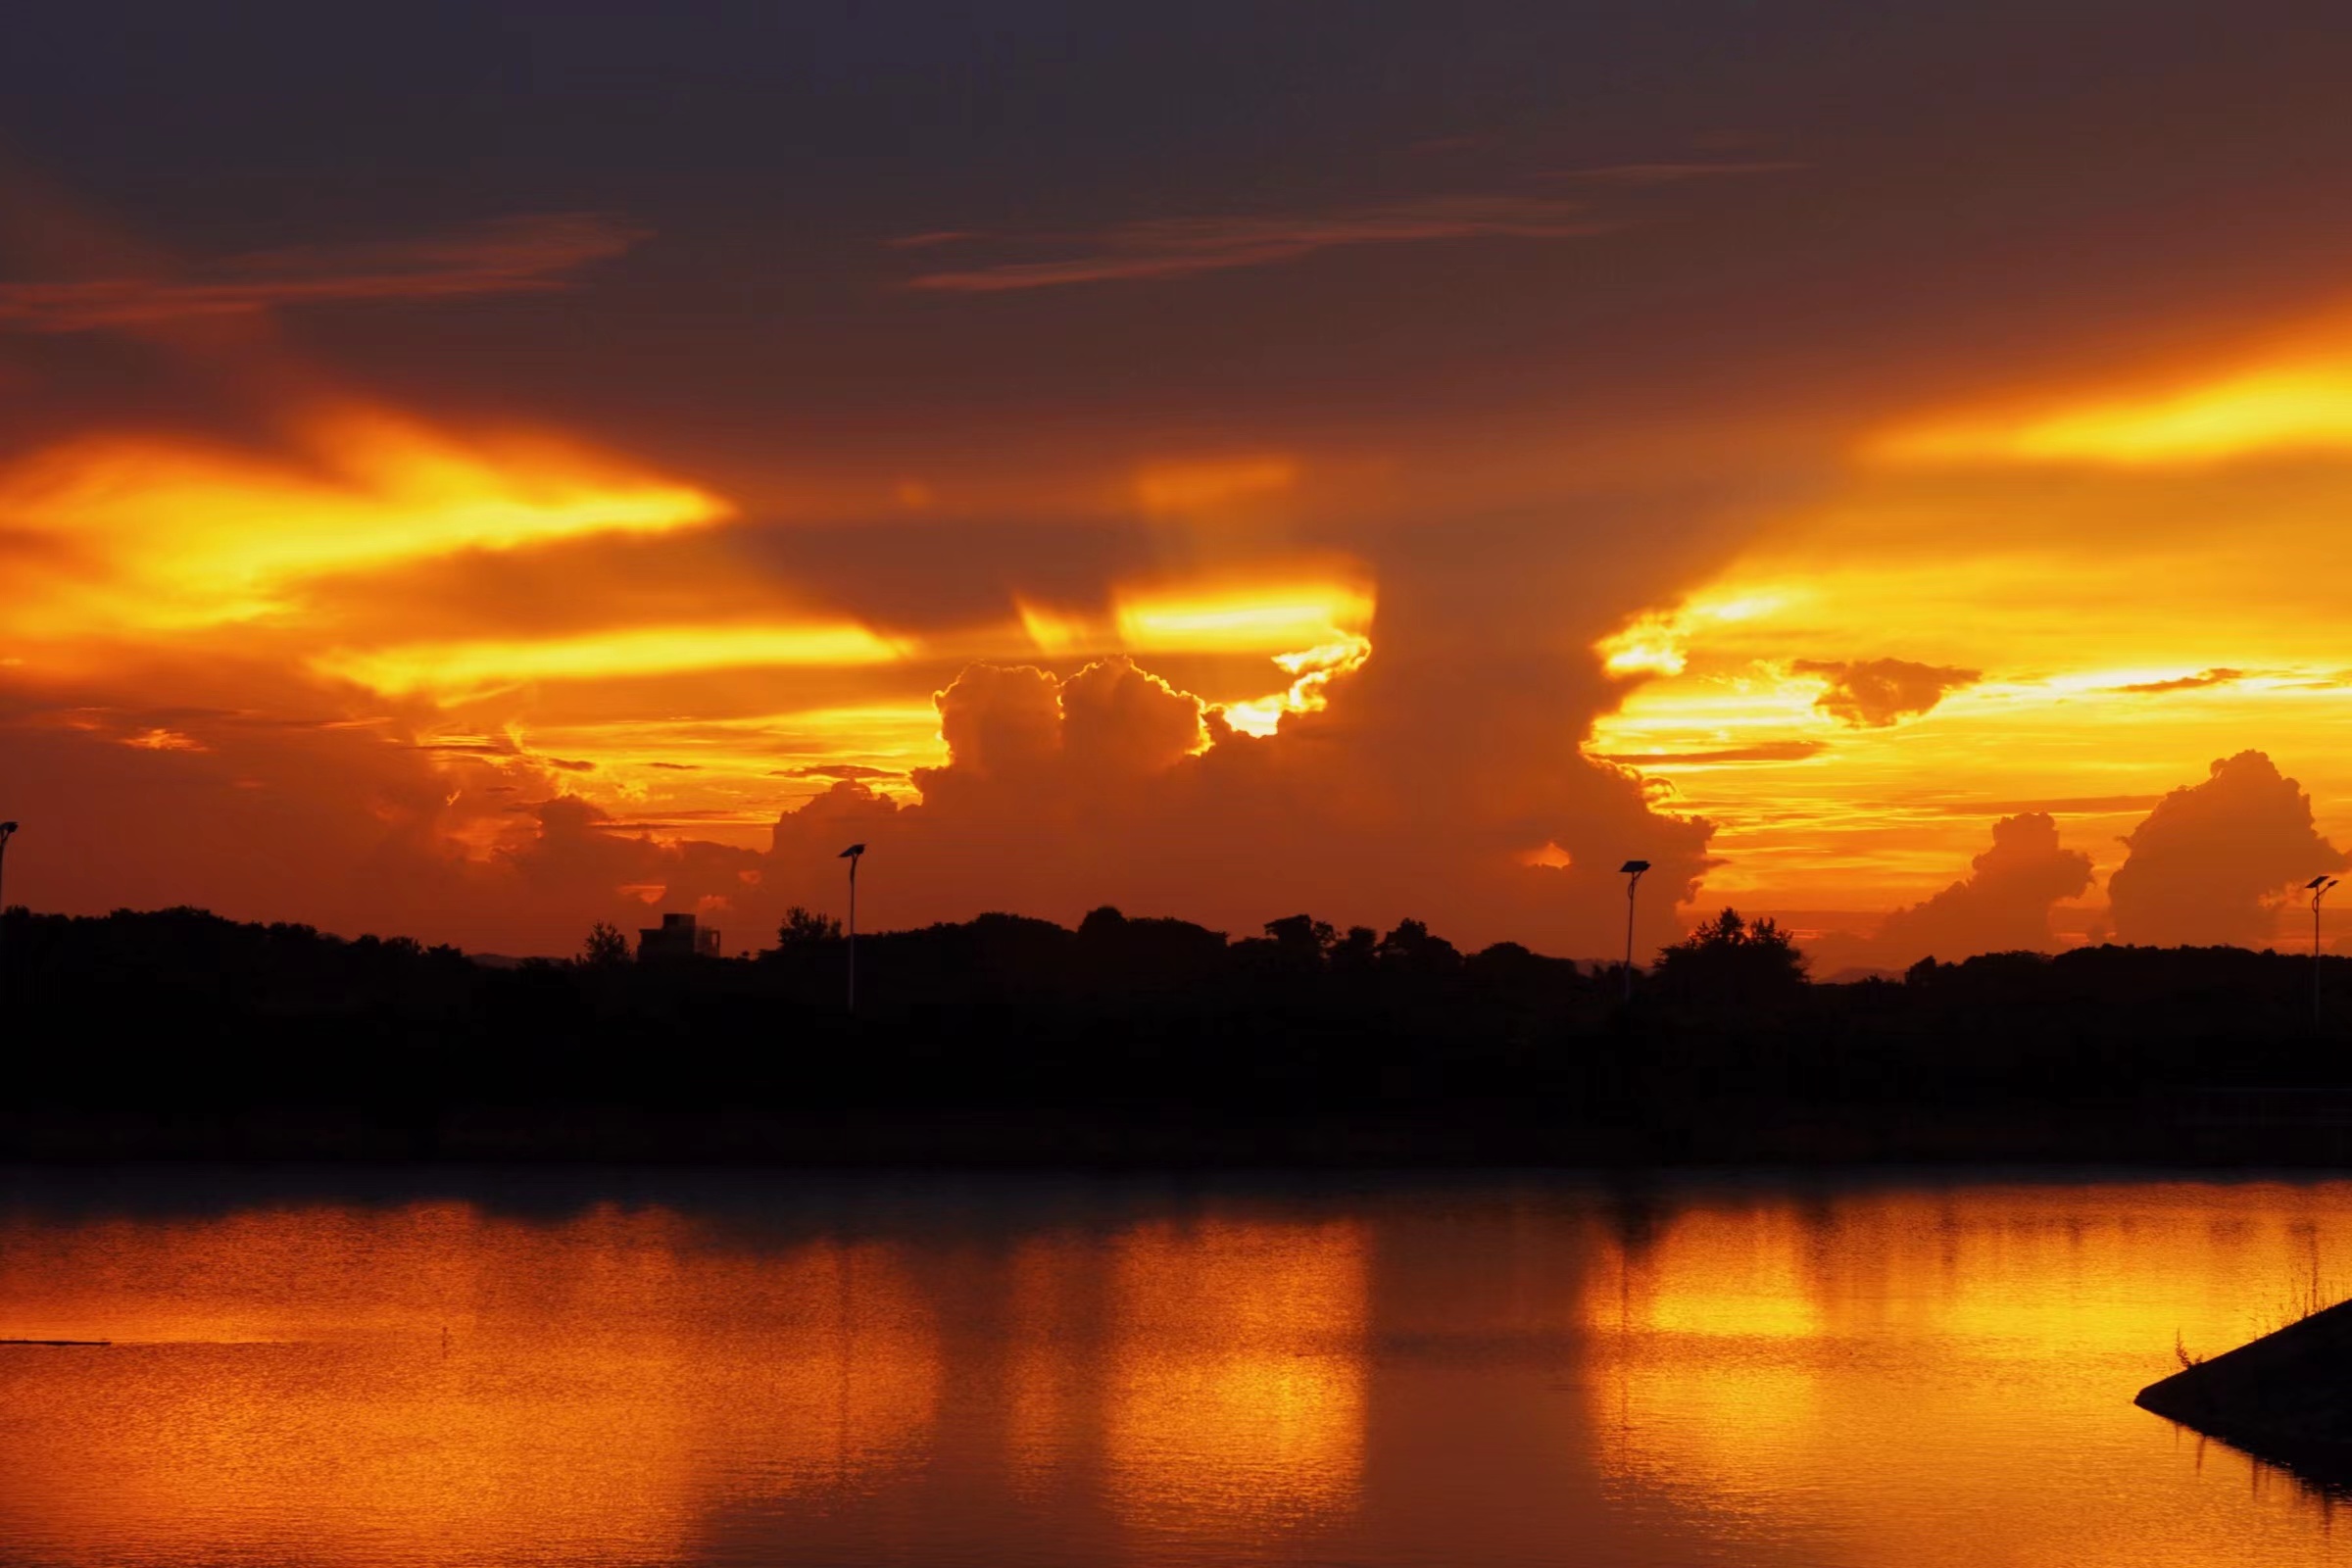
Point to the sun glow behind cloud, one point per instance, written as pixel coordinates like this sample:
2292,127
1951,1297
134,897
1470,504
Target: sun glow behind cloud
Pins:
2297,403
131,546
159,533
2139,576
1816,813
1311,628
1247,618
1653,643
725,779
457,670
1313,632
2074,600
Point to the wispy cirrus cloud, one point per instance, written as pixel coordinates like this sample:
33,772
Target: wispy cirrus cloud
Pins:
1184,247
518,254
835,770
1761,751
1674,173
2184,683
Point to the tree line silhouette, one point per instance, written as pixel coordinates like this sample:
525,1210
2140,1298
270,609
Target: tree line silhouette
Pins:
1011,1038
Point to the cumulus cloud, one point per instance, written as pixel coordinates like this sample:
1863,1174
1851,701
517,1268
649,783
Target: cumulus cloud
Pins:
2212,862
1873,694
1117,718
1421,790
2002,906
1114,786
507,256
1001,723
1018,736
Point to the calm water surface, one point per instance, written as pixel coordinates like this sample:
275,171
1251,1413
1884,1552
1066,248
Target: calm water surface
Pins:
779,1370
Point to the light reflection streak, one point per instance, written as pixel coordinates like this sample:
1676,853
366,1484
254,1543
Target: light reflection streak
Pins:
430,1384
1748,1366
1237,1373
1832,1373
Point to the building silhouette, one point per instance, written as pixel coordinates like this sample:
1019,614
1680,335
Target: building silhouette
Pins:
676,937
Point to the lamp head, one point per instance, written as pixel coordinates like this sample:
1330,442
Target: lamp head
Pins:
2315,882
6,828
1634,867
852,853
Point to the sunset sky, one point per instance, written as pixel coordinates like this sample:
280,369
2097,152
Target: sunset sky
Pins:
475,471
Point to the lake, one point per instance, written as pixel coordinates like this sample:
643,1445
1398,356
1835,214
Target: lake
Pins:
623,1368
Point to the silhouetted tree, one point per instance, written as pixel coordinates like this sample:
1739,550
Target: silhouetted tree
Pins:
1143,1027
606,948
1731,960
803,927
1410,948
1354,953
1298,942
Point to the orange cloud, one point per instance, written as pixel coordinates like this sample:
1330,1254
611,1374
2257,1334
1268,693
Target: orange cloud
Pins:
2002,906
508,256
2214,859
2199,681
1021,724
1178,487
1875,692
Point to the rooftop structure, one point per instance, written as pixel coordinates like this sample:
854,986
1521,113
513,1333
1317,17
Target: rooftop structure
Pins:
676,937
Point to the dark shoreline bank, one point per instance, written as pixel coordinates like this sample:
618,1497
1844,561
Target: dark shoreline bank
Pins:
1005,1043
2278,1399
2168,1134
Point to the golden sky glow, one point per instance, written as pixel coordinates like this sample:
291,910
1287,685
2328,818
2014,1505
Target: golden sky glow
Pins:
454,670
2297,406
1422,534
2111,635
162,534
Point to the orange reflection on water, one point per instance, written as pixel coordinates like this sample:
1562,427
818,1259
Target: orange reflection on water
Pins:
432,1383
1863,1372
1237,1372
1777,1374
1050,1366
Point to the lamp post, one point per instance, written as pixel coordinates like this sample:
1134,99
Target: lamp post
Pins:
852,854
2318,886
1633,870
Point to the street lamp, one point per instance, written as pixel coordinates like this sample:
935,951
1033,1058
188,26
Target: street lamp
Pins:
1633,870
852,854
2317,887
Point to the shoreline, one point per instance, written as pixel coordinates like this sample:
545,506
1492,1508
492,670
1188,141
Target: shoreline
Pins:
1131,1138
